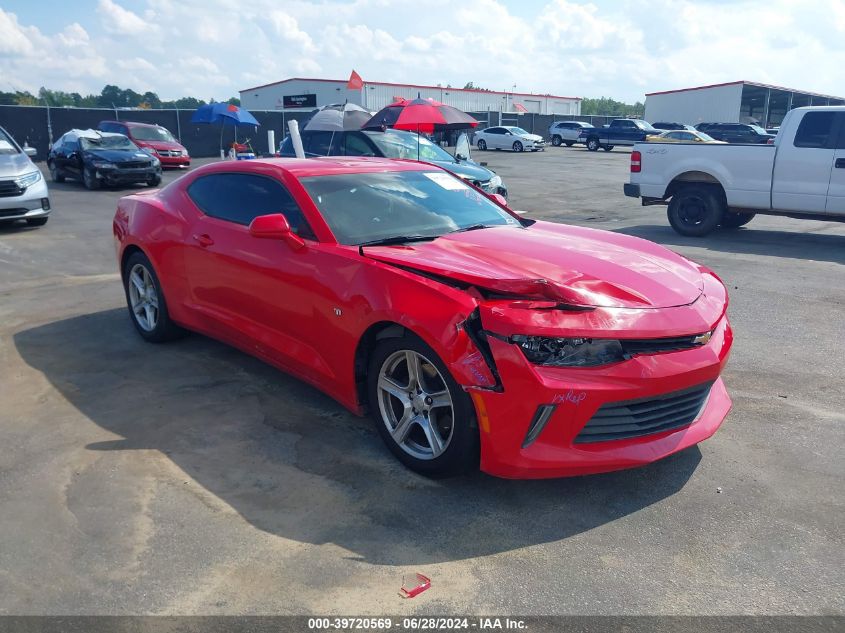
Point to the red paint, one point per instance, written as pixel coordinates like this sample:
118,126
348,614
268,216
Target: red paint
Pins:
278,299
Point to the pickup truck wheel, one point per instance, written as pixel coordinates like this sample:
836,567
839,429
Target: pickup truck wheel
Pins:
556,140
517,146
482,144
593,144
607,148
731,220
695,211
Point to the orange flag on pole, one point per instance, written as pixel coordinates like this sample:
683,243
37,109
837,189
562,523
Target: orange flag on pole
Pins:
355,82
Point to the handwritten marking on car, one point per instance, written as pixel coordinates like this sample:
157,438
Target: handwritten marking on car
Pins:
570,396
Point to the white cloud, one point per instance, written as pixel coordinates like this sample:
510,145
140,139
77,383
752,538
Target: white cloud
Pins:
618,48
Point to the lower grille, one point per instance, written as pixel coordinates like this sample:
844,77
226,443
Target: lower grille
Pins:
9,188
133,164
5,213
645,416
657,345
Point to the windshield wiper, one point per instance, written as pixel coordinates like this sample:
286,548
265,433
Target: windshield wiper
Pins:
396,239
473,227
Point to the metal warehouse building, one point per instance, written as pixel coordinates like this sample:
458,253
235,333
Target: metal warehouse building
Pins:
298,94
735,102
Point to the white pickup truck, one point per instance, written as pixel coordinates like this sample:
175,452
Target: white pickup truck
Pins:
802,175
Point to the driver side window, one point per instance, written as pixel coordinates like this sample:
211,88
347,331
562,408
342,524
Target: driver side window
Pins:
354,145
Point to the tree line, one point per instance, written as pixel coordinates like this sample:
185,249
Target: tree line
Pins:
110,97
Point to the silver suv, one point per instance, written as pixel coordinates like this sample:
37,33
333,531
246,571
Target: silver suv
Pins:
23,190
567,132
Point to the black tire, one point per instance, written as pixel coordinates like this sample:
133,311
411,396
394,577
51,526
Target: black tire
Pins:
556,140
154,181
55,174
165,329
569,143
517,146
593,144
482,145
90,180
608,148
695,210
37,221
731,220
462,451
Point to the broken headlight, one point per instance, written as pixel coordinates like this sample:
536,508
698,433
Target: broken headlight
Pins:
570,352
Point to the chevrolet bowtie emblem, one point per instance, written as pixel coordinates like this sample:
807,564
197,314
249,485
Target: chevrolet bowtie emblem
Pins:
702,339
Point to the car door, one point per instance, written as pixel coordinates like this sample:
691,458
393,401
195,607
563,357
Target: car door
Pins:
836,190
803,171
495,137
259,294
71,162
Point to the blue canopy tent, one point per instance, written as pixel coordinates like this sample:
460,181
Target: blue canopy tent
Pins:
225,114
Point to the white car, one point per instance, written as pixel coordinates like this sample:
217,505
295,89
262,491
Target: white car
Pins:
508,137
23,190
566,132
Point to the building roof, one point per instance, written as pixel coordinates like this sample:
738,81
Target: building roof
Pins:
747,83
387,83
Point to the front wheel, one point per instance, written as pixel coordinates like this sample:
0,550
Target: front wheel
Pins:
517,146
608,148
146,303
55,174
593,144
556,140
155,181
90,180
731,220
695,210
482,145
420,411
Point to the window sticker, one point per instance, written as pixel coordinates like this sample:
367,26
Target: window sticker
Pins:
445,180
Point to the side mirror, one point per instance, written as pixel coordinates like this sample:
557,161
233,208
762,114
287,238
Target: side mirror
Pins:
500,199
275,227
30,151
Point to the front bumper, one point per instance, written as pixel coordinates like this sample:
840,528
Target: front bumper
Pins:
505,417
182,160
33,202
535,145
127,176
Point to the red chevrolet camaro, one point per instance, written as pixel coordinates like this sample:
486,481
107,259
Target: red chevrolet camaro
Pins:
469,333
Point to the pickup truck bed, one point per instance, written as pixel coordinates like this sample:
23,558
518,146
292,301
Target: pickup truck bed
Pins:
708,185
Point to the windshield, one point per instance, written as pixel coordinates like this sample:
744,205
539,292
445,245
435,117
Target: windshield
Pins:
517,130
152,134
372,206
7,145
118,141
404,145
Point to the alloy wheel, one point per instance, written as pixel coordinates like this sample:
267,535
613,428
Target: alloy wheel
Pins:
415,404
143,298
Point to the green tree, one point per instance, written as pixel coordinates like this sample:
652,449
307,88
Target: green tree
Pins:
605,106
234,101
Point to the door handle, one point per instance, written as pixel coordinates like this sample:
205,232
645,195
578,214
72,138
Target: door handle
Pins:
203,240
840,163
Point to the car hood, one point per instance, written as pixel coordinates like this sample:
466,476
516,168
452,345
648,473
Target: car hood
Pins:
573,265
531,137
117,155
160,145
470,171
12,165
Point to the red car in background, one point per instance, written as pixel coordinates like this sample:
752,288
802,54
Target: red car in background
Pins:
468,332
154,138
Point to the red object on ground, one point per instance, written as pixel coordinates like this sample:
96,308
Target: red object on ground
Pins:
355,82
312,306
422,583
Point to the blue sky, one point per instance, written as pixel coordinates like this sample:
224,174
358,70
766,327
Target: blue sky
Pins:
622,49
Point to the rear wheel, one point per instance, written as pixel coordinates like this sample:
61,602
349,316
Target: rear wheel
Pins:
732,220
593,144
607,148
695,210
89,179
55,174
37,221
556,140
517,146
420,411
482,144
146,303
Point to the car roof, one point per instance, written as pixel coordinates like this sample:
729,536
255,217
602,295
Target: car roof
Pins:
132,123
75,134
328,165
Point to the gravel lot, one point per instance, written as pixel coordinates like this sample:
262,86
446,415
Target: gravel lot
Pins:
192,479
